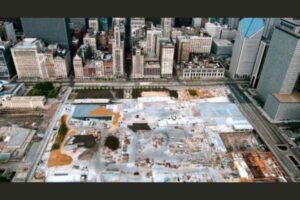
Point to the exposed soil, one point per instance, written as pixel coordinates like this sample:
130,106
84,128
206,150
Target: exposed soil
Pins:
86,155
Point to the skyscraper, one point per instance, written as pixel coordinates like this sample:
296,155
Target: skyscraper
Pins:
50,30
166,59
104,24
214,29
118,52
280,73
94,24
259,62
78,66
137,63
166,24
233,22
196,22
245,47
153,35
7,68
270,24
7,32
29,60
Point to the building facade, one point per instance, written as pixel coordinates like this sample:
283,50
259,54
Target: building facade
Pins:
7,68
166,59
280,73
245,47
7,32
137,63
50,30
166,24
202,70
29,60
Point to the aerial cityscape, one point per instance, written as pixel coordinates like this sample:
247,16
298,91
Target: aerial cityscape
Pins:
138,99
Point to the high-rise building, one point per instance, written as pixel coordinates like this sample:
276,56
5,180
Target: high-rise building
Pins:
7,32
228,34
245,47
29,59
196,22
118,52
277,86
137,63
118,61
78,66
182,49
50,30
90,40
166,59
104,24
94,24
260,58
270,24
214,29
152,69
200,44
222,47
175,33
79,22
7,68
117,35
158,45
166,24
153,35
233,22
192,44
136,27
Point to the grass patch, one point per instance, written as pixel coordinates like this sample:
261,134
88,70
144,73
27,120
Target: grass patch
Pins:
62,132
100,93
44,89
192,92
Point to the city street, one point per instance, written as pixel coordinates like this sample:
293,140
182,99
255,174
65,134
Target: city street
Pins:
269,133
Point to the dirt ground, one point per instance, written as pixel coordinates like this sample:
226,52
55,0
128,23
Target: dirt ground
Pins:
86,155
59,157
116,119
240,141
155,94
101,112
33,119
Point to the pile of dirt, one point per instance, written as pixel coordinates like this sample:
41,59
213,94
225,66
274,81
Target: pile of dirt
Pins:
112,142
58,159
116,119
86,155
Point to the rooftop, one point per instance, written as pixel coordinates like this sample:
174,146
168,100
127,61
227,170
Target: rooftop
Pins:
287,98
250,26
222,42
27,43
91,111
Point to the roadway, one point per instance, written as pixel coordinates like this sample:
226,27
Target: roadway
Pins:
47,136
269,133
136,83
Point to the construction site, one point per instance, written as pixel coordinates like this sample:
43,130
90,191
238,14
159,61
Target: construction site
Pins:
197,135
